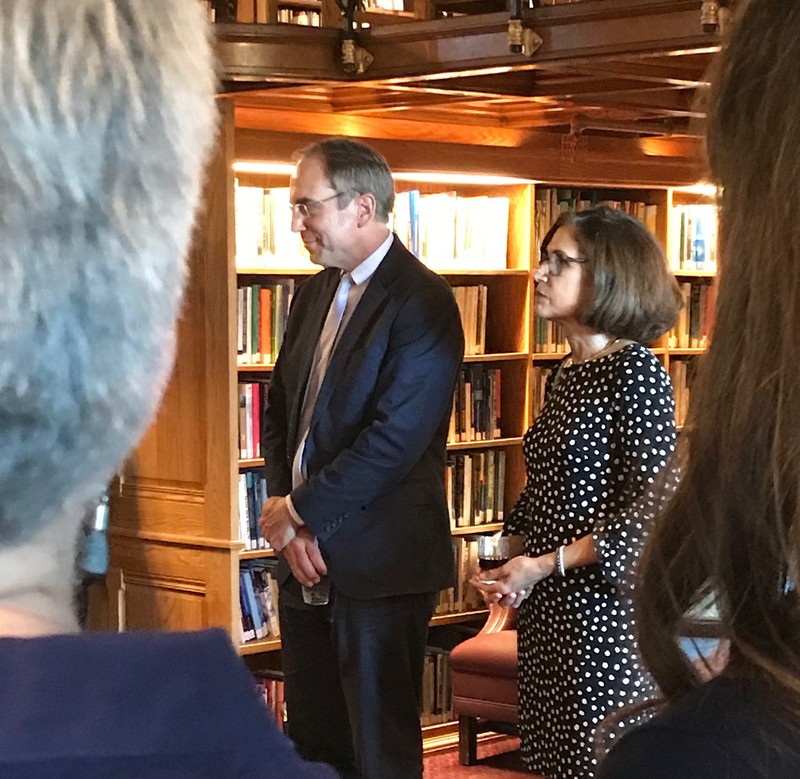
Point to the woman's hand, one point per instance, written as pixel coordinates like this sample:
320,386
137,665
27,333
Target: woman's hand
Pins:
511,583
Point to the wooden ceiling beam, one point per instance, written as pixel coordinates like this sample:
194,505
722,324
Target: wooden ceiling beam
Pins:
532,83
355,125
289,99
288,53
578,33
588,161
588,87
371,100
653,73
674,103
365,98
484,116
449,88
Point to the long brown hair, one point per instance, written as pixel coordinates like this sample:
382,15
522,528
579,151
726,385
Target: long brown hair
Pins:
733,527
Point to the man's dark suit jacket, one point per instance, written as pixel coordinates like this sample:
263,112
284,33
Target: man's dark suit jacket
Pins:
375,452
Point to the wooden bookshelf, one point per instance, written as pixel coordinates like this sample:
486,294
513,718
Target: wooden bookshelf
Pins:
486,444
257,647
185,474
506,290
175,546
488,527
175,536
255,554
268,11
694,274
675,350
449,619
260,368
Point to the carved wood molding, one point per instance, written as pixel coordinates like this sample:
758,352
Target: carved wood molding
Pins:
176,539
133,488
157,581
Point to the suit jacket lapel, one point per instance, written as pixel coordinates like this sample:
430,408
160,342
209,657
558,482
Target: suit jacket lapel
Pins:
375,296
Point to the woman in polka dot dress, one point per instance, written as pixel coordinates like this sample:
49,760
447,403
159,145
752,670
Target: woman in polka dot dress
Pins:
606,430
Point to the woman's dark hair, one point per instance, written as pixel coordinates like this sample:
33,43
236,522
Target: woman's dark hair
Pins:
634,295
733,527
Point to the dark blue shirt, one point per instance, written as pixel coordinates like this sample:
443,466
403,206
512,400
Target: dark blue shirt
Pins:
137,706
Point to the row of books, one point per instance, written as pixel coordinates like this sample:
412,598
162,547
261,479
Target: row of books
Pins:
551,202
476,414
303,17
538,383
475,487
443,229
252,12
271,688
695,318
449,232
462,596
258,599
252,493
263,309
476,405
681,374
384,5
261,314
252,400
548,337
264,236
472,303
437,688
693,239
474,483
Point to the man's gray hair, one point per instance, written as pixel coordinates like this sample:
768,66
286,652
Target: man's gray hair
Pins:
355,168
106,118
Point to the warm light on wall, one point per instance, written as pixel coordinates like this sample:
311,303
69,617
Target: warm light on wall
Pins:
439,177
284,168
698,189
433,177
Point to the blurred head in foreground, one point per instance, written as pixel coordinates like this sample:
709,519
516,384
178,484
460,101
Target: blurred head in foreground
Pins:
733,530
106,118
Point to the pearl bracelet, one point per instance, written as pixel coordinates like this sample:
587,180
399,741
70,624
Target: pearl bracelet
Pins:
560,569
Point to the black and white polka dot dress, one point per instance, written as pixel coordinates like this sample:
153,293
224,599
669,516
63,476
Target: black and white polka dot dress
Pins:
605,432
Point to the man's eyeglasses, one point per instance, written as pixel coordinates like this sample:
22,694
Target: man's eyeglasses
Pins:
557,261
307,208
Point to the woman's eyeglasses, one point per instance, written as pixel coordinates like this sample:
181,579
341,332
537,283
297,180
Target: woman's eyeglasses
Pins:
556,261
307,208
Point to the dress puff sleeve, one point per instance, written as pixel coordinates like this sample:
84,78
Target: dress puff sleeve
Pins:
647,437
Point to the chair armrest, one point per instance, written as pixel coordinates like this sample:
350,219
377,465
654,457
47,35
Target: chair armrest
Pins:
499,619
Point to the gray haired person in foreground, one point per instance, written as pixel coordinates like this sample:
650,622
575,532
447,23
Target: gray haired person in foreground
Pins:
106,118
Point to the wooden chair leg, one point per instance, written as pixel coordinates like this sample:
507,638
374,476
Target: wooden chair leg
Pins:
467,740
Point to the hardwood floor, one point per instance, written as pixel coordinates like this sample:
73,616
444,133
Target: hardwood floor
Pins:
497,760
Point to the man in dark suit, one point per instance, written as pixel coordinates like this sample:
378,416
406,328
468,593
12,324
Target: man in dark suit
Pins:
354,439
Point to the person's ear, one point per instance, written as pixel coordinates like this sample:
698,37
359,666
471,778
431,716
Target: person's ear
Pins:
366,207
